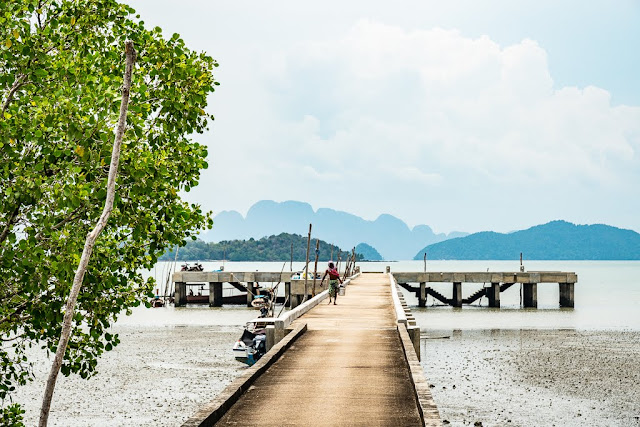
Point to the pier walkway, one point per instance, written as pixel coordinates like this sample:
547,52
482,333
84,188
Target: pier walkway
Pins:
347,369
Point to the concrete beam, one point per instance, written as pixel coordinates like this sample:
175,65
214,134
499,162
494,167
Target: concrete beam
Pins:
487,277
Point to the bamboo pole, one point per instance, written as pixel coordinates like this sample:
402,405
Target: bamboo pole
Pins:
91,238
315,268
306,268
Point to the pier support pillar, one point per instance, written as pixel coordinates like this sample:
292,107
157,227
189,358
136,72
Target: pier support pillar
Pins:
494,295
251,292
180,297
566,294
414,334
295,300
422,296
215,294
456,299
530,295
287,294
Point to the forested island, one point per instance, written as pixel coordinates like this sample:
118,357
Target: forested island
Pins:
556,240
272,248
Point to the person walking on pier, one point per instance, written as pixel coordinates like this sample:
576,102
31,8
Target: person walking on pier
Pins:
334,280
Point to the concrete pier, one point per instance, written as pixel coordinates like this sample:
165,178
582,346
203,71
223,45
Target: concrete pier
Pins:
499,282
354,366
295,290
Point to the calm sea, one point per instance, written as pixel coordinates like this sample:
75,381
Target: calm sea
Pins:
607,297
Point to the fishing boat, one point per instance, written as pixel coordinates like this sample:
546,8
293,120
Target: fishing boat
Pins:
252,345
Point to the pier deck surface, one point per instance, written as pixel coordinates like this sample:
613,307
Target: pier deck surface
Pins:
348,369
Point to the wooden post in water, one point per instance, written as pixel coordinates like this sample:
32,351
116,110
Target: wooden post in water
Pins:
306,268
291,262
425,262
315,268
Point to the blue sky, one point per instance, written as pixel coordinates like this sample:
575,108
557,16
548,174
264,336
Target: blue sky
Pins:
462,115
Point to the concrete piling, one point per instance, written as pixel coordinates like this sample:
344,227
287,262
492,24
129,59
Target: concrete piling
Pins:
422,298
494,295
456,299
215,294
530,295
181,294
566,295
251,291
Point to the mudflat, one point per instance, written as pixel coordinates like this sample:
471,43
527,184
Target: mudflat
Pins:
505,377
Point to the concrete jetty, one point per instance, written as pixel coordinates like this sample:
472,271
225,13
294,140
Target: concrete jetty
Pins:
351,364
295,288
496,282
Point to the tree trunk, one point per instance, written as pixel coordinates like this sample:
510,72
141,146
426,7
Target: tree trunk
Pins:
91,238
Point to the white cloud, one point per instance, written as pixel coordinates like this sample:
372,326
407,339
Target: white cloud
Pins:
430,125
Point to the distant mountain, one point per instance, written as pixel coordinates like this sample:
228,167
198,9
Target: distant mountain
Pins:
556,240
390,236
368,253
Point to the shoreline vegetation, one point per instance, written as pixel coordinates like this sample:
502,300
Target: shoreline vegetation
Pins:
272,248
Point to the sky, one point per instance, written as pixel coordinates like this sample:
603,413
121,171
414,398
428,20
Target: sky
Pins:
462,115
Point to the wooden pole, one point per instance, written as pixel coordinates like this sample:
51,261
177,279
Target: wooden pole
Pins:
306,268
425,262
91,238
315,267
291,262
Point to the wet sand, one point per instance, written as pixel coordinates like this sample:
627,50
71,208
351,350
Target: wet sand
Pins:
155,376
534,377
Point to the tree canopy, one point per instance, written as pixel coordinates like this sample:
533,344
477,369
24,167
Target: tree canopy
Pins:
61,68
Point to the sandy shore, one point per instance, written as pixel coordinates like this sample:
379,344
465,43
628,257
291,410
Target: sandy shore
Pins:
534,377
156,376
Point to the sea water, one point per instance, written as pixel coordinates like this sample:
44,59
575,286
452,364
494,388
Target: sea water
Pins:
607,296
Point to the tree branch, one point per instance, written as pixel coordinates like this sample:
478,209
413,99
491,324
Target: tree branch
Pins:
16,85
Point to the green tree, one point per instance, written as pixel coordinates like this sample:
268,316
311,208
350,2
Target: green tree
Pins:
60,75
